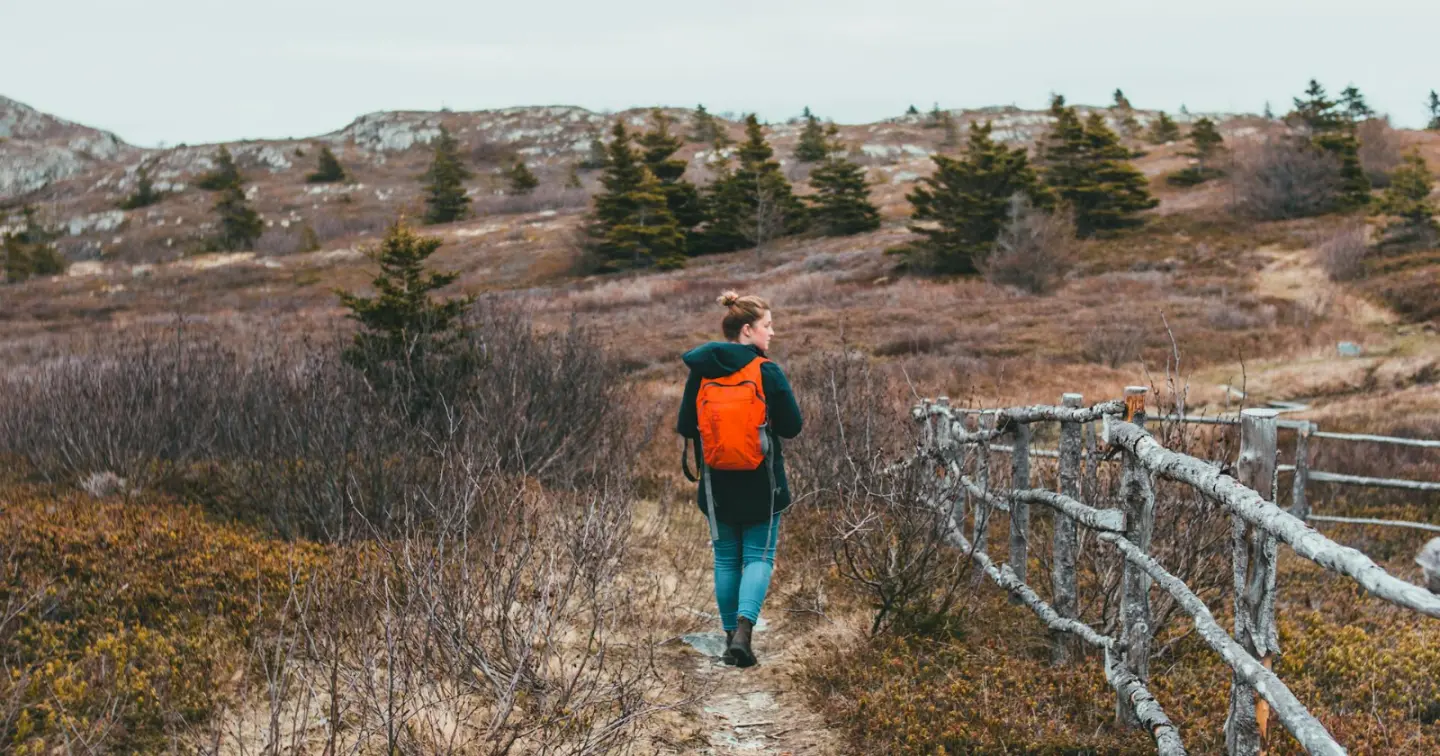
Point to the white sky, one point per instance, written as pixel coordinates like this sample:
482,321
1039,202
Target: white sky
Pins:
198,71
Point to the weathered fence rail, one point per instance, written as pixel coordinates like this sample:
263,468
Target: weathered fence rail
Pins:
953,438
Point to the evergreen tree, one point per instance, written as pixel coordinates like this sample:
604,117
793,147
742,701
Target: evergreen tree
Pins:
952,130
936,117
1434,106
1121,101
1352,103
1332,130
225,174
30,251
1089,169
649,235
703,128
1164,130
595,159
1408,196
145,194
659,147
752,204
1206,142
445,198
572,179
327,169
240,226
813,146
520,179
841,203
405,335
962,205
1269,114
912,111
623,174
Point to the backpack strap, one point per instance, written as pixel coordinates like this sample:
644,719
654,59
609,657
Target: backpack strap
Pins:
709,501
685,461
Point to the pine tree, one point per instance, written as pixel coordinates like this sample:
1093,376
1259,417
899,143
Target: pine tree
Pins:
1206,142
649,235
30,251
1434,106
445,198
962,205
328,169
813,146
1408,197
1352,103
520,179
145,194
841,204
1089,169
912,111
703,128
659,147
754,203
405,335
935,118
240,226
572,179
1121,101
1332,130
952,130
1316,111
1269,113
224,175
1164,130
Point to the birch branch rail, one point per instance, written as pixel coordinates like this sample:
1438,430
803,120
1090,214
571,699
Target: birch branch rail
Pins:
1311,735
1270,518
1369,521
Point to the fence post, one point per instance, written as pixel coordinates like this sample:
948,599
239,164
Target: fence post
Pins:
1299,504
1254,571
982,479
1062,574
1139,505
1020,510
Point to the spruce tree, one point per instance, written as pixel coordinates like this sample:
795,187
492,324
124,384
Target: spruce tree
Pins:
649,235
754,203
520,179
936,117
1121,101
703,128
1089,169
841,203
1332,130
572,179
1408,197
145,193
327,169
1353,105
659,147
1269,113
1434,106
239,224
912,111
225,174
595,158
445,198
405,335
1206,141
813,146
1315,111
962,206
952,130
30,251
1164,130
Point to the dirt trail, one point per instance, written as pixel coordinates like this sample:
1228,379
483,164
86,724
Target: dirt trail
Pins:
758,710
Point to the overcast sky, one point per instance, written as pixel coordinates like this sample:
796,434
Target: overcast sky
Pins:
199,71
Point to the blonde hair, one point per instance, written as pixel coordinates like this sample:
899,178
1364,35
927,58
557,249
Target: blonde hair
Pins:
741,311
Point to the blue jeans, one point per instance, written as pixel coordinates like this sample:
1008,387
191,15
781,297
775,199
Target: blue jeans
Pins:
744,559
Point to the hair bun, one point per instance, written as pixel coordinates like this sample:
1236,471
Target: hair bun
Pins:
728,299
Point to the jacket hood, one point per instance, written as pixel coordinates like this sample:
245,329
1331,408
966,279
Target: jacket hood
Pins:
718,359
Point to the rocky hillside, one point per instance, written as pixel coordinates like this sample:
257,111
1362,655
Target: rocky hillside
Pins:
76,175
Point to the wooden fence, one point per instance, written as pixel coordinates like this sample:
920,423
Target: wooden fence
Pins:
959,444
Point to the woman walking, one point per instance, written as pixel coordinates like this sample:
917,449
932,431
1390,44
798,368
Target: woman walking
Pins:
736,408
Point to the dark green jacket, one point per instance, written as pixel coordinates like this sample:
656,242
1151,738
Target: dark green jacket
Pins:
743,496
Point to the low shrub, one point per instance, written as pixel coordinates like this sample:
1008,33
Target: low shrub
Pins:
1286,178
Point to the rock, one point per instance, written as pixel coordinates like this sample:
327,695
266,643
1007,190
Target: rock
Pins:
103,484
102,222
1348,349
1429,561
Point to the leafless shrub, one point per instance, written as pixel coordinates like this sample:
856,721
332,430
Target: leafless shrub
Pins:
1379,150
334,225
1285,178
927,340
1232,316
545,198
1035,250
279,241
1114,344
1343,254
489,153
103,484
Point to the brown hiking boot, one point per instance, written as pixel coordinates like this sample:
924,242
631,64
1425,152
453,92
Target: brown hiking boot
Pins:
739,647
727,657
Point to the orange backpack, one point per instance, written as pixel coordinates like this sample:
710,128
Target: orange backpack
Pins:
733,419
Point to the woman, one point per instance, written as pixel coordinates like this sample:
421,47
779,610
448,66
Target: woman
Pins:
747,503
